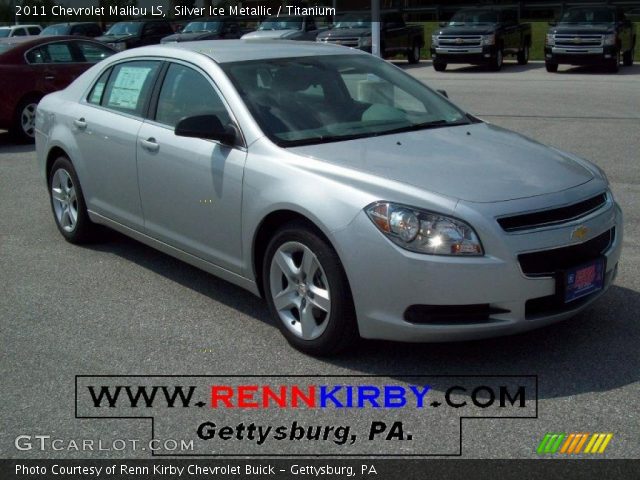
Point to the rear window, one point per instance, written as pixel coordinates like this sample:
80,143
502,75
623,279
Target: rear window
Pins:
56,30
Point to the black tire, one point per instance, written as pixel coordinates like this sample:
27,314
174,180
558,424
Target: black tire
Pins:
551,67
523,55
628,57
413,56
84,230
613,65
496,63
439,66
341,329
25,107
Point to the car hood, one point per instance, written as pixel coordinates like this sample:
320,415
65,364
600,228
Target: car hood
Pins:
345,33
186,37
577,29
468,30
113,38
270,33
476,163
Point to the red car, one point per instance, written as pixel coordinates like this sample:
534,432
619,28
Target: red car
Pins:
31,67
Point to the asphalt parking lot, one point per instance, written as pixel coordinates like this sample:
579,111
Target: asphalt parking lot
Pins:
119,307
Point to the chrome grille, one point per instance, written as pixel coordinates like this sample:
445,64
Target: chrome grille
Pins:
460,41
579,41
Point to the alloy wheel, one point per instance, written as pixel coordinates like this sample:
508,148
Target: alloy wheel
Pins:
65,200
28,119
300,290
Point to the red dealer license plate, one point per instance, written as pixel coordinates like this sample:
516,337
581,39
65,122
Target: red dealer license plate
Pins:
584,280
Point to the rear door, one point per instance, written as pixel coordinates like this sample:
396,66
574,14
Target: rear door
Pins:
191,189
106,125
55,65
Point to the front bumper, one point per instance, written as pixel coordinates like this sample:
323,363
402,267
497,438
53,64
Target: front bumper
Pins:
579,56
386,281
472,55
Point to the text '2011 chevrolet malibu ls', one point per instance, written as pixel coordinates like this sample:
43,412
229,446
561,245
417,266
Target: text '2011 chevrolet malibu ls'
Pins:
355,199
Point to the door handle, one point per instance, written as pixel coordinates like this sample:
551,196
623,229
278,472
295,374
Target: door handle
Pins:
49,77
150,144
80,123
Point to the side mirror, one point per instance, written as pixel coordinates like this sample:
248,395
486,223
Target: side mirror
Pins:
443,93
208,127
443,24
553,23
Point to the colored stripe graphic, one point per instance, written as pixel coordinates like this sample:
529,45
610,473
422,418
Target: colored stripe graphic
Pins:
572,443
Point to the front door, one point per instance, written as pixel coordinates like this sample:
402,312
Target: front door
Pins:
191,189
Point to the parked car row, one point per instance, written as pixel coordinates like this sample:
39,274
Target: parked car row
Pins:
586,35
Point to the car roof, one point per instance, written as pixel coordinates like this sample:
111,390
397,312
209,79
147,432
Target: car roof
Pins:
247,49
29,41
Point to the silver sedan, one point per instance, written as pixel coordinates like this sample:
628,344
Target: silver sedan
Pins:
353,198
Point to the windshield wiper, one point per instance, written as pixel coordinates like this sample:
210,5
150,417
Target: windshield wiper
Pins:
424,126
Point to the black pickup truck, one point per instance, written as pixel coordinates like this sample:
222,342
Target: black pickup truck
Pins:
396,38
599,35
218,28
481,36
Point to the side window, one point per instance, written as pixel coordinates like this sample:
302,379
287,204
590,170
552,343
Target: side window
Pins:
34,31
186,93
129,86
95,96
37,55
93,52
19,32
311,24
59,52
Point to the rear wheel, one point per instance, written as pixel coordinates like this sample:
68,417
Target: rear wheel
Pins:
24,120
523,56
551,67
67,203
308,292
414,54
439,66
628,57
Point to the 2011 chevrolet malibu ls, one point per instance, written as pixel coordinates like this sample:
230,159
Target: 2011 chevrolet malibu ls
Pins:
355,199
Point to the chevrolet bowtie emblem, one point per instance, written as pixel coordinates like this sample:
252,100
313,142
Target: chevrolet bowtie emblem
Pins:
577,40
459,40
579,233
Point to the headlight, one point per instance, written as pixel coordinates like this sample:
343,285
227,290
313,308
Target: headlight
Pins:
119,46
365,42
434,40
550,40
488,40
610,39
424,232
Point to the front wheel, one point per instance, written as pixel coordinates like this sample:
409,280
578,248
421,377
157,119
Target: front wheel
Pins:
496,63
414,54
614,63
67,203
439,66
308,292
551,67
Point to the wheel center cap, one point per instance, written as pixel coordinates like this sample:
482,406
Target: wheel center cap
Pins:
302,290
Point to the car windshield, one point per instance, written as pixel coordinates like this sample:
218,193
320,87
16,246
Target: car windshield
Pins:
4,32
55,30
194,27
125,28
275,23
474,17
354,21
589,15
331,98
